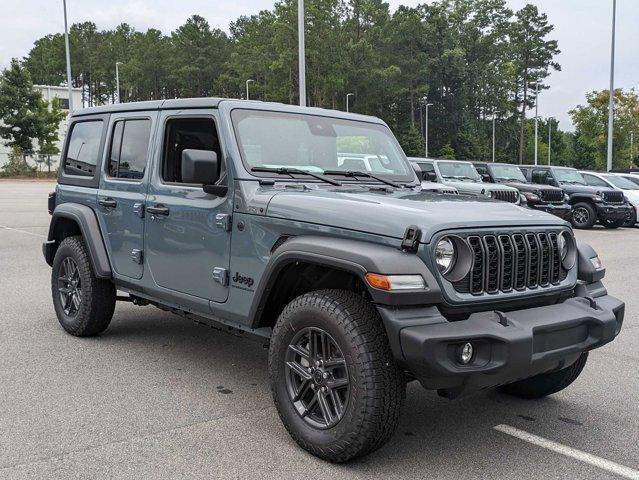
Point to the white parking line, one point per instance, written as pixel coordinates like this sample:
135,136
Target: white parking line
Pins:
593,460
22,231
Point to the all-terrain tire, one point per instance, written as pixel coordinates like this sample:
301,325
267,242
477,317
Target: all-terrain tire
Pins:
584,216
377,386
546,384
97,296
631,220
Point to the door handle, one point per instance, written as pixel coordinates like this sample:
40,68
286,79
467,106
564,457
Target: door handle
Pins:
107,202
159,210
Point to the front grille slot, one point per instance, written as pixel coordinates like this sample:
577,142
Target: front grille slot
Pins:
552,196
512,262
613,197
505,195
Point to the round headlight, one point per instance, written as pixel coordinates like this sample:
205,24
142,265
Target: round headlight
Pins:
445,255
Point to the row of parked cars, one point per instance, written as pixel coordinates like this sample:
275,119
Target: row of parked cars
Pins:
583,198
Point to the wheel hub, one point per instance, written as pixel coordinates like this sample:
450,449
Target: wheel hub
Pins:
317,378
70,287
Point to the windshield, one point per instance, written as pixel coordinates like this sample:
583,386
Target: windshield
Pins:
462,171
621,182
318,144
507,172
569,176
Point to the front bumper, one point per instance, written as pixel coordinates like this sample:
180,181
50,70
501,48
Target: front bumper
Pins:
606,211
534,341
563,211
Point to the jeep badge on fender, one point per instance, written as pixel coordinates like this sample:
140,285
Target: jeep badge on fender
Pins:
360,279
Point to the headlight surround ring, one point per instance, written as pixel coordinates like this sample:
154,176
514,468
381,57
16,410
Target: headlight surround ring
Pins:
567,249
462,260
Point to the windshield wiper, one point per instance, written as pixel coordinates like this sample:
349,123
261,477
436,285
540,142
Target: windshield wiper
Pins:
355,174
296,171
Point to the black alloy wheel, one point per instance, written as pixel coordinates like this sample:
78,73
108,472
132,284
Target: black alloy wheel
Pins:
317,378
70,287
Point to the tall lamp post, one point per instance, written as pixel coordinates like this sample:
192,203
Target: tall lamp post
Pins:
348,95
301,52
426,105
494,116
549,138
536,120
117,79
247,87
611,100
68,55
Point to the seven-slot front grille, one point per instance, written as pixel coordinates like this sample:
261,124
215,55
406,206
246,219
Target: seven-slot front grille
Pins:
512,262
613,197
552,196
505,195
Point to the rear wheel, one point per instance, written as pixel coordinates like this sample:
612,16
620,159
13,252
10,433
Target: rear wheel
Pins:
333,378
547,383
83,303
584,215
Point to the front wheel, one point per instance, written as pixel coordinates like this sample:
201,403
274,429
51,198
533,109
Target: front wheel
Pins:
546,384
584,216
631,219
612,224
83,303
335,384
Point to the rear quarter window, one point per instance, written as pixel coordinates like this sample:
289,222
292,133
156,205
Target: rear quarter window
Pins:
83,151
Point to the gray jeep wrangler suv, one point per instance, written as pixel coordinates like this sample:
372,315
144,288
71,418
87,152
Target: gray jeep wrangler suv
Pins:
241,214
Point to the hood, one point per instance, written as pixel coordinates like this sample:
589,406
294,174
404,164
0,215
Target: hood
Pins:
530,187
390,213
584,189
476,188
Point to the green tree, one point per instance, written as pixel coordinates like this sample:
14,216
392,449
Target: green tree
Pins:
591,128
447,152
21,109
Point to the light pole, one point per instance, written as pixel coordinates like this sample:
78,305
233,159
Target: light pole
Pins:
632,148
247,87
348,95
494,116
536,119
117,79
426,105
301,52
549,138
68,55
611,100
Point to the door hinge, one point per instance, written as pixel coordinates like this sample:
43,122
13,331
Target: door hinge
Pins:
223,221
137,256
221,276
138,209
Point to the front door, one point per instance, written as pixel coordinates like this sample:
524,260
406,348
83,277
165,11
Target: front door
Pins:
122,191
188,237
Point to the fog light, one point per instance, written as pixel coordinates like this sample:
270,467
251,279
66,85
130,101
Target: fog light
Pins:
466,353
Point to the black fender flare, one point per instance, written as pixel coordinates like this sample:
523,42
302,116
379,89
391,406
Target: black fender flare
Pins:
87,222
353,256
581,197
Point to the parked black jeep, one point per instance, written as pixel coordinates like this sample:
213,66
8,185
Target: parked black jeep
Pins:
546,198
589,204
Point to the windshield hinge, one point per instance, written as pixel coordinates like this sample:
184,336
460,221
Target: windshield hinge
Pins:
410,242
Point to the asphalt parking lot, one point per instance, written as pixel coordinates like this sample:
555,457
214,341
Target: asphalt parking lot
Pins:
157,396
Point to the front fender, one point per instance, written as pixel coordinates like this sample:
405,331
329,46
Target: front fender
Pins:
85,219
353,256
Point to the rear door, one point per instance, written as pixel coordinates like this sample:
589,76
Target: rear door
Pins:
123,188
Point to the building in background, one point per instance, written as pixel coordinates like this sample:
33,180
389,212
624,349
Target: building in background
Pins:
49,92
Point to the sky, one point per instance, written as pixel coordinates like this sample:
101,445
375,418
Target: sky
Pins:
582,28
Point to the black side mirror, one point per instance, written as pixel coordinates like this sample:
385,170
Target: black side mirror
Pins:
429,176
550,181
202,167
486,178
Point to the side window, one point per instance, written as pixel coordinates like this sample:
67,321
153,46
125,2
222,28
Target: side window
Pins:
84,147
594,181
426,167
186,133
129,148
540,176
481,170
